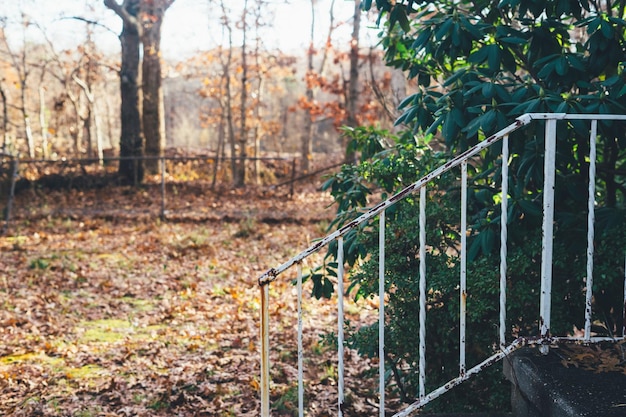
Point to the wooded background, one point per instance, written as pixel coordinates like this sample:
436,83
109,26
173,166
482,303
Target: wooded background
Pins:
237,96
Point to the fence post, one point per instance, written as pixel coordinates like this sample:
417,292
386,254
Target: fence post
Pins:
547,232
14,170
293,177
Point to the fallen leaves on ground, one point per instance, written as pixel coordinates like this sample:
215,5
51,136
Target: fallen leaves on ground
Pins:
127,315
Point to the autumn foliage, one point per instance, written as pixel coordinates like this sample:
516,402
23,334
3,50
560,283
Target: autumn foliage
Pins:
122,314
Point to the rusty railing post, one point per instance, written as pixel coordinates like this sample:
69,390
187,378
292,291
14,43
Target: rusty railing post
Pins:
340,323
463,277
591,199
300,345
265,350
547,232
381,315
504,204
422,296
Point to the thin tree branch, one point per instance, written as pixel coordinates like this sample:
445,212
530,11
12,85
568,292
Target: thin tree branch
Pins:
89,21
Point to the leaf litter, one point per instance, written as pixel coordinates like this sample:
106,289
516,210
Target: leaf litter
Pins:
130,316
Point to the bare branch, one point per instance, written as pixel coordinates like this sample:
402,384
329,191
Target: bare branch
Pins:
90,22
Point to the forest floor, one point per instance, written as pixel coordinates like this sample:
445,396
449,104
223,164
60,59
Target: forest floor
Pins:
107,310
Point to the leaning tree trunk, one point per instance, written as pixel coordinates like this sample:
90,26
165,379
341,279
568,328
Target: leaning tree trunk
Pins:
131,140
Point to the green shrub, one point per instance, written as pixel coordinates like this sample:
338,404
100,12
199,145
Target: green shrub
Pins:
384,170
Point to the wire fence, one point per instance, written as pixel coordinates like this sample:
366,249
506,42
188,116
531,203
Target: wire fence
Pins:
83,186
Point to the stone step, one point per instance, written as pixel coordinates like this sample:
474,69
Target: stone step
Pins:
467,415
555,385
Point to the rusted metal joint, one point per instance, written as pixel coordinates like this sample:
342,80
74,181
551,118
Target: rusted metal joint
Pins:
267,277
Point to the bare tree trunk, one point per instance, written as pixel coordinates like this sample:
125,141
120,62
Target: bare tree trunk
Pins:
308,129
259,97
220,148
20,66
153,107
131,140
353,83
5,120
109,121
42,120
93,117
257,135
378,93
28,131
229,107
98,131
23,75
240,177
77,130
87,138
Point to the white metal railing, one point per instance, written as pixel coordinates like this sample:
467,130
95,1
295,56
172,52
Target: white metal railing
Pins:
545,338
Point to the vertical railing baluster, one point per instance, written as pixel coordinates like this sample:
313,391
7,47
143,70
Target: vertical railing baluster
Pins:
504,218
381,314
265,351
422,296
340,383
300,345
590,226
624,303
547,231
463,278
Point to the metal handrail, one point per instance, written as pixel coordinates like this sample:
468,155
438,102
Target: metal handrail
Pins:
543,341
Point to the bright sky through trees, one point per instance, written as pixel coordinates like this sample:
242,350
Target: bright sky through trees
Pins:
189,26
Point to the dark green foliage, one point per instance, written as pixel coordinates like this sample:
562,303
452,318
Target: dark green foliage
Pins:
479,65
384,171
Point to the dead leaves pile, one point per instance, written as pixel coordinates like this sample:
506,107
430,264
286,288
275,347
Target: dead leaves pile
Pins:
136,317
598,358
